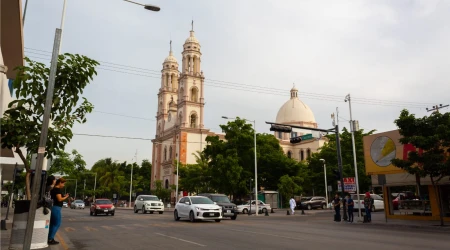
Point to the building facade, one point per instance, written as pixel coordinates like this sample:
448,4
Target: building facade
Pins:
295,112
180,130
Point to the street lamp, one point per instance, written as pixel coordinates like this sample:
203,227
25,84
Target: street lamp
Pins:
146,6
325,174
131,180
256,165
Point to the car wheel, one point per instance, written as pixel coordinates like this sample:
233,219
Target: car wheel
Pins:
217,220
112,214
191,216
373,209
135,210
245,210
264,210
175,215
143,210
95,213
324,206
234,217
161,212
90,212
309,207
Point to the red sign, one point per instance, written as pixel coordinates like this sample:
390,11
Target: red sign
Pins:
349,180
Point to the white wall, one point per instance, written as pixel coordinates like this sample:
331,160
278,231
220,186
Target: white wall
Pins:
194,145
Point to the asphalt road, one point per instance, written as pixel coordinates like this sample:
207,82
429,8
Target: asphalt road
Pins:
127,230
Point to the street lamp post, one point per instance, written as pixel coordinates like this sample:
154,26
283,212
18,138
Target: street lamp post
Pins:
131,181
326,183
95,181
146,6
256,161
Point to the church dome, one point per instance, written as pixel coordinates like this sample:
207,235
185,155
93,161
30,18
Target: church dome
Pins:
192,38
295,110
170,58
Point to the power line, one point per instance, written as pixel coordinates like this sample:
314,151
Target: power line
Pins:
126,137
128,116
260,89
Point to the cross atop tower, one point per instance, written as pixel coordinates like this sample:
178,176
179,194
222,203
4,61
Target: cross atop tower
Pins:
171,46
192,25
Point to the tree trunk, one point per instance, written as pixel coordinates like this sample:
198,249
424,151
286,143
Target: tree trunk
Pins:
28,175
441,212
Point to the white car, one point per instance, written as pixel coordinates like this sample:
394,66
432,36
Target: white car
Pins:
148,203
197,208
378,202
77,204
262,207
65,204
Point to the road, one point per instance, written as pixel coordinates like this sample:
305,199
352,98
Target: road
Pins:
127,230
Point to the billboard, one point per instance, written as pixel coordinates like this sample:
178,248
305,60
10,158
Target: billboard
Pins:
349,185
380,149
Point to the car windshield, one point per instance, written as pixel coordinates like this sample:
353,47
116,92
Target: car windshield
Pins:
201,200
103,202
223,199
79,201
150,198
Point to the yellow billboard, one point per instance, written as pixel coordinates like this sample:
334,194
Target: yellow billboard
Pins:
380,149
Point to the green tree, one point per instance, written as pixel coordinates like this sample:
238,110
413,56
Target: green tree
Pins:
432,135
146,172
195,177
314,179
160,191
67,164
111,177
289,186
21,124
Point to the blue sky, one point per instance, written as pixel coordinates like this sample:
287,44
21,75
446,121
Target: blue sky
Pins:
388,55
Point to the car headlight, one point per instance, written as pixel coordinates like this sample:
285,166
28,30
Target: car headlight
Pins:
197,208
112,207
97,207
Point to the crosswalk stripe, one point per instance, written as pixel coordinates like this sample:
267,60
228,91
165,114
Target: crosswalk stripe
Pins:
91,229
69,229
107,227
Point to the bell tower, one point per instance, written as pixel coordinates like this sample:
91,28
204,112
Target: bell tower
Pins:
191,91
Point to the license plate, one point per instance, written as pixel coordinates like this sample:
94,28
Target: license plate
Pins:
228,211
106,210
211,214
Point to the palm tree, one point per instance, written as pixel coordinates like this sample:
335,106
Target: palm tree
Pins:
111,175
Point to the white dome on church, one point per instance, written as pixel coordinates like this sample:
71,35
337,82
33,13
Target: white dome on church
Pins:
192,38
170,59
295,110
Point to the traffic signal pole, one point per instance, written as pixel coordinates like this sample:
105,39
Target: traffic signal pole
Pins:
341,173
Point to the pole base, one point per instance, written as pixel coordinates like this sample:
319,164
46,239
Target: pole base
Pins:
287,212
3,225
303,211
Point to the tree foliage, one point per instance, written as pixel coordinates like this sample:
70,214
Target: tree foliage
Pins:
289,186
432,135
67,164
22,122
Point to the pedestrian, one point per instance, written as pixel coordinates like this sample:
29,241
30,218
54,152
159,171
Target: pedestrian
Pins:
55,219
337,208
51,181
368,204
292,204
350,205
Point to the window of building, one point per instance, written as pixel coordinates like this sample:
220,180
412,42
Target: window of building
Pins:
280,135
308,152
167,184
302,155
293,134
170,152
289,154
193,122
165,153
194,94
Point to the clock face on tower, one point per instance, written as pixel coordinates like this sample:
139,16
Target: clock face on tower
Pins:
169,117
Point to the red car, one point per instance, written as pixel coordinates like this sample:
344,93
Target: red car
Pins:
102,206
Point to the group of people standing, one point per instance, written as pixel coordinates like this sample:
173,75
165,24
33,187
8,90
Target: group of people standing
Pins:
54,191
349,203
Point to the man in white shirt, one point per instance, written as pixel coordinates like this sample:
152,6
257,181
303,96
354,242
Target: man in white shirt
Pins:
292,204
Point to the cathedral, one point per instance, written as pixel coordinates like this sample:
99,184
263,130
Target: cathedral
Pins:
180,131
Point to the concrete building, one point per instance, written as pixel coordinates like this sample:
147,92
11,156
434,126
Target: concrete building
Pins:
295,112
180,131
11,56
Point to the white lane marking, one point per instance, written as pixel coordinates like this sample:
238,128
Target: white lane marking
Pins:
274,235
198,244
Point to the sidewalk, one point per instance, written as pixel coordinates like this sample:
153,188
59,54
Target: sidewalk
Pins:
378,219
6,234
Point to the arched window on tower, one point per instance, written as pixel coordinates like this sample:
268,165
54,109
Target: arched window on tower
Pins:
180,119
181,94
165,154
194,94
167,184
302,155
170,152
289,154
308,153
193,121
280,135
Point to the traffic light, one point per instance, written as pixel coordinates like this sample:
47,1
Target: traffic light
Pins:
280,128
296,139
336,174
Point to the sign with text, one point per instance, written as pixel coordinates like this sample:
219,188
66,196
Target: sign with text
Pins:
349,185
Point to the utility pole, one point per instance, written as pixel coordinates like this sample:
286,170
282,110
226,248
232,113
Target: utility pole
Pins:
131,181
341,172
42,143
436,108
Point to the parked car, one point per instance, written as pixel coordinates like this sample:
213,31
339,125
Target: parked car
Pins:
378,202
228,209
65,204
148,203
102,206
77,204
246,208
197,208
312,202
